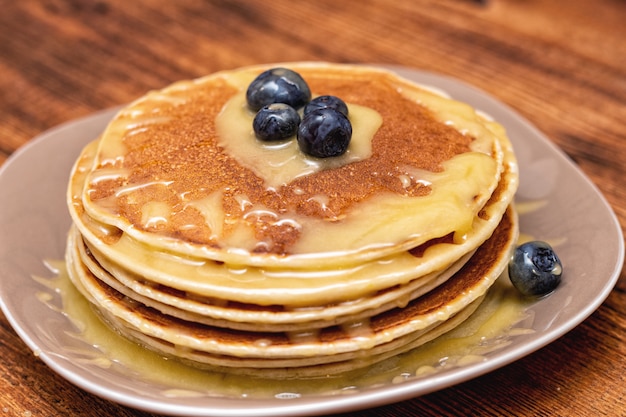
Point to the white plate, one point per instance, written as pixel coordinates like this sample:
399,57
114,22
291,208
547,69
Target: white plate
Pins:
34,223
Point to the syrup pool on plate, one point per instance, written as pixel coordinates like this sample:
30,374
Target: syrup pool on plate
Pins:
500,318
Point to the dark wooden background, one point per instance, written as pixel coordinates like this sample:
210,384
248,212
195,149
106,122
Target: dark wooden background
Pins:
562,65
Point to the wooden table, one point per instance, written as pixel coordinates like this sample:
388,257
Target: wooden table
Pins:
562,65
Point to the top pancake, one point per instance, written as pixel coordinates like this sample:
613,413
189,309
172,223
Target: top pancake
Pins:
421,166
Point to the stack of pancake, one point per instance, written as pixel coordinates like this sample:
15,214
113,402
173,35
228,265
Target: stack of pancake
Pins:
198,241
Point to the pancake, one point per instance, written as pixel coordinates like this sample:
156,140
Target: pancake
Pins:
264,353
253,317
197,240
164,174
311,367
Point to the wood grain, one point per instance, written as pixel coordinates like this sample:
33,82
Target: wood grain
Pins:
562,65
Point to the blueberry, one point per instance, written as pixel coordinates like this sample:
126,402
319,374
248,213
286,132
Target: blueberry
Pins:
276,121
535,269
324,133
322,102
278,85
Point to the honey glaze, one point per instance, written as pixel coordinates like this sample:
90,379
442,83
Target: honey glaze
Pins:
499,318
280,162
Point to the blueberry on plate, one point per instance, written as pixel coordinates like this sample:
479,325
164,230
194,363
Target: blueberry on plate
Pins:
276,121
323,102
324,133
535,269
278,85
